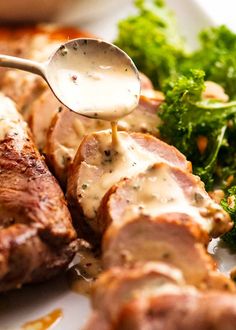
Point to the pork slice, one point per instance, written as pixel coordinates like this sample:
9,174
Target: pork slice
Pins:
144,118
65,134
98,165
118,285
182,311
173,238
41,113
30,197
127,297
99,322
26,257
13,42
163,188
23,88
67,129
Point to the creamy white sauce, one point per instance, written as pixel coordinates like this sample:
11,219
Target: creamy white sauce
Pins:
93,80
10,122
157,192
82,275
167,289
125,159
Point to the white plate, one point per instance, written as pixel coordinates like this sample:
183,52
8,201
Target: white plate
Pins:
36,301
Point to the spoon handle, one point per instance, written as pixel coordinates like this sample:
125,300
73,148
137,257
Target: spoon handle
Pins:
22,64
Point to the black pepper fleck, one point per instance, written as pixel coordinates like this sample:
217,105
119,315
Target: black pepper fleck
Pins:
107,152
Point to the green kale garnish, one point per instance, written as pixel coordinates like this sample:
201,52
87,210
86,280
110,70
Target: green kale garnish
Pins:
229,205
217,57
187,116
151,39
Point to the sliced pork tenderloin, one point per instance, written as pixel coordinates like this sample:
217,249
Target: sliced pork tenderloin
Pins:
98,165
37,239
163,188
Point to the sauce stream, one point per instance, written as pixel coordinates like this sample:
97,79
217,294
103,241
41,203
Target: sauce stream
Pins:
114,134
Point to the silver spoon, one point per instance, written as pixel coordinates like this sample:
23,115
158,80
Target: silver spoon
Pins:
91,77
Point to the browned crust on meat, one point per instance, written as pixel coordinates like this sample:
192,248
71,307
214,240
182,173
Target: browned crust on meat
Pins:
34,219
215,311
26,257
121,303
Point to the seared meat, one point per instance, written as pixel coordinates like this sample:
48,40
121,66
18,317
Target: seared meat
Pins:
98,166
182,311
170,237
36,236
118,285
163,214
155,296
163,188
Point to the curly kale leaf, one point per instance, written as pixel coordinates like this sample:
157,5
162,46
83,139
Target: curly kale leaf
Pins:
151,39
229,205
187,117
217,57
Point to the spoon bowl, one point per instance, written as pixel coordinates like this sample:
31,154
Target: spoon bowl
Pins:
89,76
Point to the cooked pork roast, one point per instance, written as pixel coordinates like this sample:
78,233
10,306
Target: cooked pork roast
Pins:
155,296
118,285
67,129
37,239
98,165
64,137
182,311
170,237
156,216
163,189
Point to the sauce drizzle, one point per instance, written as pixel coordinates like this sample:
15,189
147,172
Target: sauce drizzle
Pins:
114,134
82,275
44,323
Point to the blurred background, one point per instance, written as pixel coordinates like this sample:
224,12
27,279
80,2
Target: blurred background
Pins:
100,16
